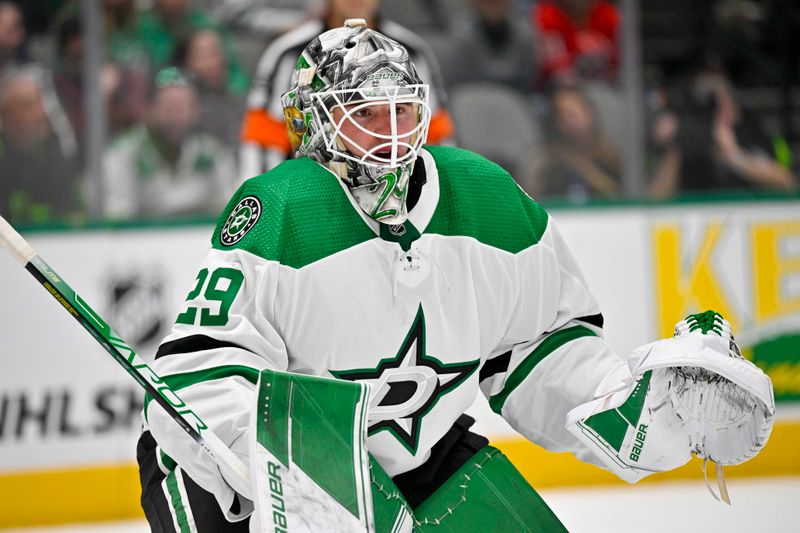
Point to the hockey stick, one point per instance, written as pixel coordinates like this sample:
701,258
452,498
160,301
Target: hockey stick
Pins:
229,463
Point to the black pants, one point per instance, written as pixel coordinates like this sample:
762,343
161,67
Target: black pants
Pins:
170,503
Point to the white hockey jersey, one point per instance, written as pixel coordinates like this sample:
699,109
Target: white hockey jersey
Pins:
475,291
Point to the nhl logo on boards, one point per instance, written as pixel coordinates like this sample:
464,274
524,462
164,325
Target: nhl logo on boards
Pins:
243,217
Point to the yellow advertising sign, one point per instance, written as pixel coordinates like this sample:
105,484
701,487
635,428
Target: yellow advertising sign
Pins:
763,308
772,268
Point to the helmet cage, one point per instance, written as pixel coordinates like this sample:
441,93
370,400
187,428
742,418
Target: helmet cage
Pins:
350,101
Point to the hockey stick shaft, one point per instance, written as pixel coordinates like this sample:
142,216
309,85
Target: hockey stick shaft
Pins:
168,399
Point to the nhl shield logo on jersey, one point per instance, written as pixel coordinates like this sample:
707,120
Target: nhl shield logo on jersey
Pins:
398,230
242,218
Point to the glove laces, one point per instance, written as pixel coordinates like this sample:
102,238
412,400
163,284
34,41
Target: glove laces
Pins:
720,475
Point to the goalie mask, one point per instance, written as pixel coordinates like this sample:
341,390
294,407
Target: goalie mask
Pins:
357,105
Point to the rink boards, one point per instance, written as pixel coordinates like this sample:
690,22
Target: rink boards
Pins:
69,416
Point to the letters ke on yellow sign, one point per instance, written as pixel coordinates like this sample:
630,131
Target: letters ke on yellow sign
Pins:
744,268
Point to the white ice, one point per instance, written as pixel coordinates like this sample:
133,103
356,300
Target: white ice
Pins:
766,505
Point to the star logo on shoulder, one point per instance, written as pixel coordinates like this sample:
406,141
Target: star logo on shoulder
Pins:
407,386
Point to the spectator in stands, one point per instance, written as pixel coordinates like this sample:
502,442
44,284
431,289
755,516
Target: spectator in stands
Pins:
12,36
163,167
122,42
706,141
168,22
578,39
38,174
491,45
201,55
125,89
579,161
265,142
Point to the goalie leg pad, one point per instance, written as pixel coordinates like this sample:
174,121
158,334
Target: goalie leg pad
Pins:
309,459
486,494
390,509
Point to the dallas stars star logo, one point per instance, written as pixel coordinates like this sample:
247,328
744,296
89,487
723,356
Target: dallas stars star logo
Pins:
407,386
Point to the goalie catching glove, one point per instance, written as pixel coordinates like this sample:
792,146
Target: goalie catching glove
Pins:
693,392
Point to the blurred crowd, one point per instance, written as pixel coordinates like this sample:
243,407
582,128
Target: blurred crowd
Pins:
191,89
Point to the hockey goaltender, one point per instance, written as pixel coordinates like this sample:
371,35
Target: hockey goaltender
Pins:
356,299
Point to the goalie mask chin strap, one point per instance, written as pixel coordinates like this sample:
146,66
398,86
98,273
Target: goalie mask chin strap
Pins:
720,474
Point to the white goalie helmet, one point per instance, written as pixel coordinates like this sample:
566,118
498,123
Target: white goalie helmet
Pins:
357,105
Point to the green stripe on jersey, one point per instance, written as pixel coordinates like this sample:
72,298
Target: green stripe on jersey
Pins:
478,199
181,381
545,348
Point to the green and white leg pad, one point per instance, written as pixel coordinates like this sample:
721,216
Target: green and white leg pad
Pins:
312,472
309,460
486,494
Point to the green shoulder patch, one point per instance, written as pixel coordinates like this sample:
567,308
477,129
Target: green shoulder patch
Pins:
295,214
479,199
